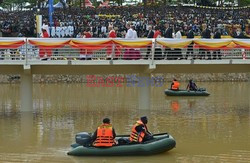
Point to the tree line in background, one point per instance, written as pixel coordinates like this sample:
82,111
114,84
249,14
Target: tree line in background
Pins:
20,4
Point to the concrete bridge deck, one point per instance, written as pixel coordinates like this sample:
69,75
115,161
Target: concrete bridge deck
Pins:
125,66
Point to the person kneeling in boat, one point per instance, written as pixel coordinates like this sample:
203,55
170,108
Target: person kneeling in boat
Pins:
140,131
175,85
192,86
104,135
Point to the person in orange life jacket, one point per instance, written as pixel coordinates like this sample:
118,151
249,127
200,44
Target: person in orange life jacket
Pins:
140,131
192,86
175,85
104,136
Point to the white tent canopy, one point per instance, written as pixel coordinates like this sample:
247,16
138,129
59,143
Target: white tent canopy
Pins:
59,5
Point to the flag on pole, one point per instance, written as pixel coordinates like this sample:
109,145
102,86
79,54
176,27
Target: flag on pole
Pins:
51,10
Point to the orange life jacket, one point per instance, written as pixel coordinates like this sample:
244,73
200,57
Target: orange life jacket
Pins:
104,136
135,136
176,85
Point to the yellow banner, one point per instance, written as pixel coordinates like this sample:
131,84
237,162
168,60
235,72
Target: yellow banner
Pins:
213,43
242,43
89,41
174,43
48,42
133,43
231,45
7,43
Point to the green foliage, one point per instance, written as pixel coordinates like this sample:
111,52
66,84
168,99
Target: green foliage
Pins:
244,2
76,3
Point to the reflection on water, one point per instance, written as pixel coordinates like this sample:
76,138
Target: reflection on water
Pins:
207,129
175,105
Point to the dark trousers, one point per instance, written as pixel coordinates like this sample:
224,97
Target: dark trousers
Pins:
190,52
148,51
216,53
168,54
202,54
158,54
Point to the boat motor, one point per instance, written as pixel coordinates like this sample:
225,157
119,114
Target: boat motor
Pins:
83,138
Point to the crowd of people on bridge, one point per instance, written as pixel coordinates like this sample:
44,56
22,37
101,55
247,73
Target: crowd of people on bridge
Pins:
183,21
132,22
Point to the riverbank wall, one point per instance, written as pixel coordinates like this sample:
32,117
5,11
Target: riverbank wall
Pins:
203,77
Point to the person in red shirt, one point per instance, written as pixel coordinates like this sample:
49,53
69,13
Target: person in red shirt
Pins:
157,33
87,34
45,33
112,34
158,51
86,54
44,50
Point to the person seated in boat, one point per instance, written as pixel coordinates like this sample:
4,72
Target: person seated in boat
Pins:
140,131
104,136
175,85
192,86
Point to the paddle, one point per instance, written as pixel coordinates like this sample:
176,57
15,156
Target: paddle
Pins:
153,134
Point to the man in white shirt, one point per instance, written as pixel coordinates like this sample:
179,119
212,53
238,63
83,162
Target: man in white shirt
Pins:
67,31
103,29
178,34
130,33
131,53
178,52
71,30
62,31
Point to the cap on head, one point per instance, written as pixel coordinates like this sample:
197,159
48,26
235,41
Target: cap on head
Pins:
106,120
144,119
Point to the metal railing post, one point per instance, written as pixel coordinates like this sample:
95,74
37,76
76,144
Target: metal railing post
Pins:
26,51
153,50
113,51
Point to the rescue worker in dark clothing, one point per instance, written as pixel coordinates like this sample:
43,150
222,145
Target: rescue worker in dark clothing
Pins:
192,86
175,85
104,136
140,131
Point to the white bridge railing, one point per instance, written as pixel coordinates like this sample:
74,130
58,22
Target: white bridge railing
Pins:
46,49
